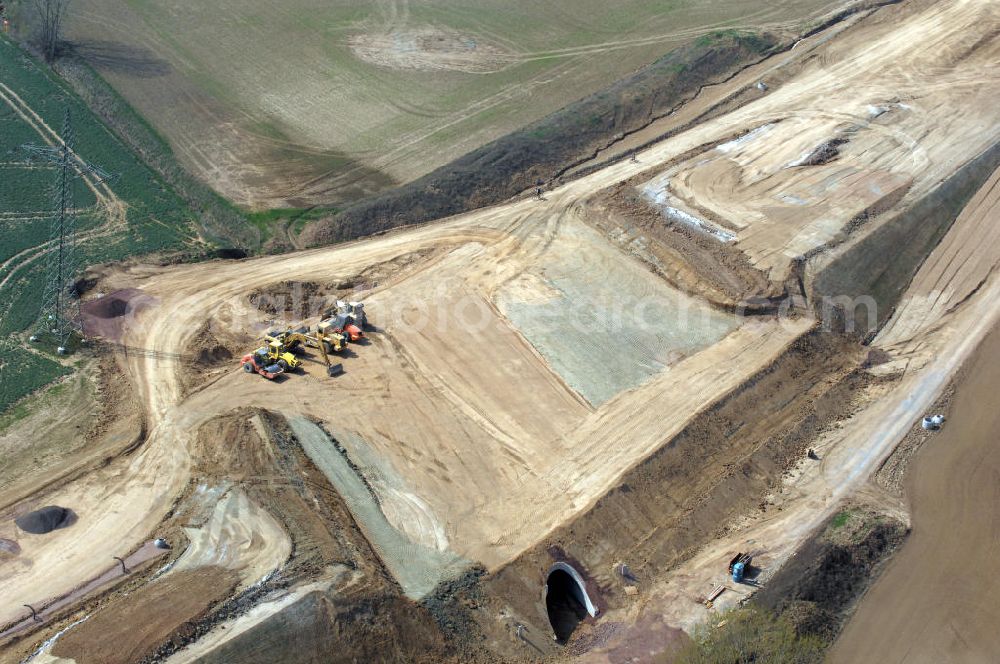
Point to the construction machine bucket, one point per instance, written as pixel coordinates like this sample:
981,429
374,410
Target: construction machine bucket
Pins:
334,370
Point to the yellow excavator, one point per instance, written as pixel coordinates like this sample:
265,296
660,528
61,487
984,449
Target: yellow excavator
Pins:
331,342
282,344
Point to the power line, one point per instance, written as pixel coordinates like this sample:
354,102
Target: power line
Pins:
60,315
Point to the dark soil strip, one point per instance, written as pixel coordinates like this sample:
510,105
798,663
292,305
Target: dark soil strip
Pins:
544,149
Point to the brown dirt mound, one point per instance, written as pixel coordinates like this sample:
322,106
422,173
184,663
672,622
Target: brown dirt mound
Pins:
45,520
287,296
325,627
106,316
213,348
429,49
817,588
297,300
825,153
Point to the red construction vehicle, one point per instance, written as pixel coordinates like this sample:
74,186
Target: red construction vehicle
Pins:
347,319
261,362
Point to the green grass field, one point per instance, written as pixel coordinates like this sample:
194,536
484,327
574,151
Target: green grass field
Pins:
156,219
293,103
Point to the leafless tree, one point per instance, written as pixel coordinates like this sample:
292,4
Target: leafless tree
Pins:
50,16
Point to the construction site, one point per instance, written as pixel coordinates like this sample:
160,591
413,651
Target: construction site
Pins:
585,423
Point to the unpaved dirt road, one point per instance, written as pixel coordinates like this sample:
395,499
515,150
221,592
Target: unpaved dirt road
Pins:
937,601
435,417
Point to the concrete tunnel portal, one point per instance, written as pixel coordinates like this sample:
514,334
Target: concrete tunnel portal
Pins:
566,600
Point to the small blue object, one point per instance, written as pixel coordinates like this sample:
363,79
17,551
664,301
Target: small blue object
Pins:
738,570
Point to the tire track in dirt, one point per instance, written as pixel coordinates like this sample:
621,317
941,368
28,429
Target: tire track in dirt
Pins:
321,181
99,188
410,143
113,207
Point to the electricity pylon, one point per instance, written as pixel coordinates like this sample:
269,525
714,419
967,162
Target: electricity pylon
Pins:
60,316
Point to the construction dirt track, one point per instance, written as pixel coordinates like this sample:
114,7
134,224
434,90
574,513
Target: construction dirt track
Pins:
486,411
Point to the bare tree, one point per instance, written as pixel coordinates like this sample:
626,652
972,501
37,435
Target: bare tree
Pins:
50,17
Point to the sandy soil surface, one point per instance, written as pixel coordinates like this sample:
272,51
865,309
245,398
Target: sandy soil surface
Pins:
755,185
935,602
237,535
946,338
427,412
435,416
136,562
963,263
471,414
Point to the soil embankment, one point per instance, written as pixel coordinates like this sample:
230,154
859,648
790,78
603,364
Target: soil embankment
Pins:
937,600
327,627
690,261
685,500
544,149
166,610
913,233
819,586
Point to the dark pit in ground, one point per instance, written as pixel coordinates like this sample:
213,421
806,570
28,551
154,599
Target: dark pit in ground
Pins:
231,253
45,520
114,305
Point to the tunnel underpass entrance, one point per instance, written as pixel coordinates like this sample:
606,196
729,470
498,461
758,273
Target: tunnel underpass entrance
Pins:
566,600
